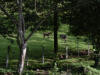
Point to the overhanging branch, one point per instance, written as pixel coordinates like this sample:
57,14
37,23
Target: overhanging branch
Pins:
34,30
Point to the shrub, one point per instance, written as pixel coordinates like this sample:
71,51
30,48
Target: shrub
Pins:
44,66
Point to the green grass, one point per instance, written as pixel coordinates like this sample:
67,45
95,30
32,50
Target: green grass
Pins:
37,41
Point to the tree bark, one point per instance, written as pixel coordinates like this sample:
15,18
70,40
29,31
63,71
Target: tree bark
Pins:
22,58
43,54
27,56
7,61
55,28
21,38
7,57
88,48
27,60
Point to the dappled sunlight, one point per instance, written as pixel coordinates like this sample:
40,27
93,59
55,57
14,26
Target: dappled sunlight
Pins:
50,37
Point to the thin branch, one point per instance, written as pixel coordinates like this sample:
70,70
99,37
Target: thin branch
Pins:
35,5
13,36
34,30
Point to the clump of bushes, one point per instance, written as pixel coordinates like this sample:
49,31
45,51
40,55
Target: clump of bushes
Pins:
74,63
45,66
6,71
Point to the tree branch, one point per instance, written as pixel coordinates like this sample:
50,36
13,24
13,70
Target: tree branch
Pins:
34,30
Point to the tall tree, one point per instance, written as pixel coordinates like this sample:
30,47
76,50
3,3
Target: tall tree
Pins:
55,27
21,36
21,27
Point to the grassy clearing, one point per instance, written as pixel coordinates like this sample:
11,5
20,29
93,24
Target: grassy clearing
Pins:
37,41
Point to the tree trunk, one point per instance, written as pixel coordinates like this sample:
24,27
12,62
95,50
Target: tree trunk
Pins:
21,38
88,48
43,54
55,28
7,61
27,56
27,61
22,59
7,57
66,52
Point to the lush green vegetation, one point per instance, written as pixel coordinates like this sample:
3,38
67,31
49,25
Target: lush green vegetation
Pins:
49,37
37,41
35,46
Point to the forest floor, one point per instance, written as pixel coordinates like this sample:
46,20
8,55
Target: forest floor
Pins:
35,45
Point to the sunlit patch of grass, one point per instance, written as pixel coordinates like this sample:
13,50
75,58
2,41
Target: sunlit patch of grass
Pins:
36,42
